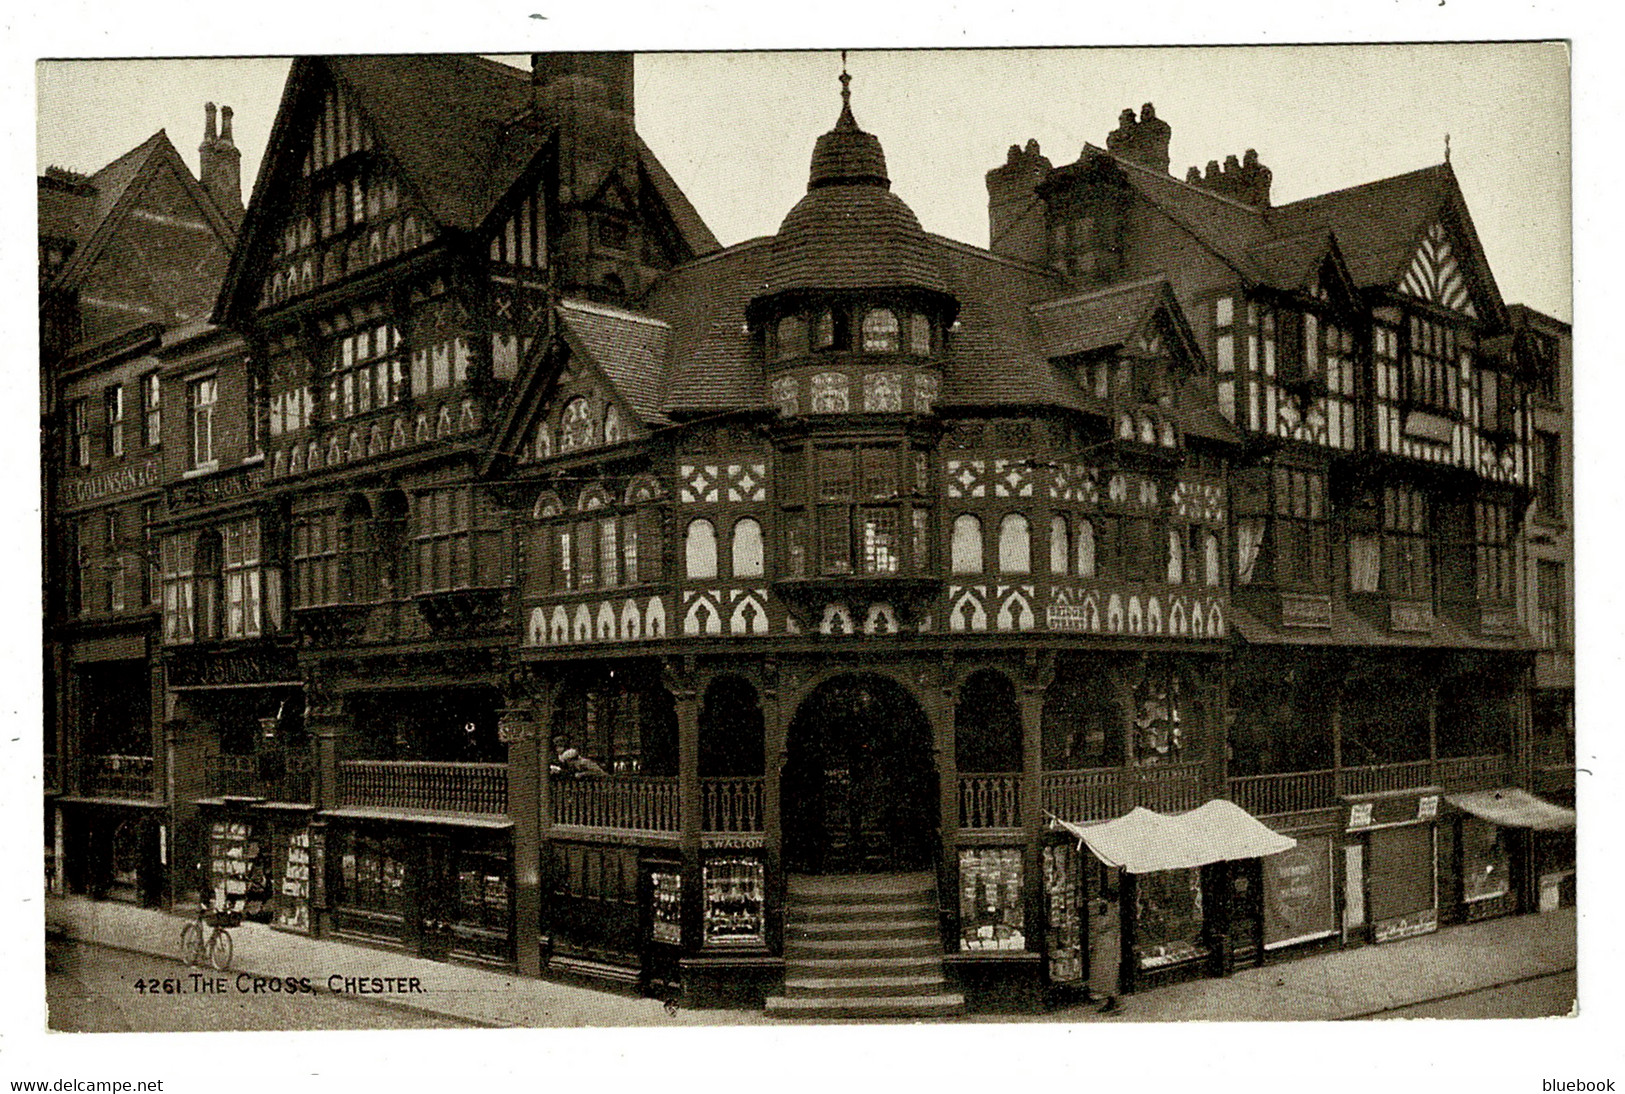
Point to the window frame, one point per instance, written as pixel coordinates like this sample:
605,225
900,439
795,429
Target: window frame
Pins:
200,419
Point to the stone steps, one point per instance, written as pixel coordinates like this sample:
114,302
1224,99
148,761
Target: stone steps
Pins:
865,947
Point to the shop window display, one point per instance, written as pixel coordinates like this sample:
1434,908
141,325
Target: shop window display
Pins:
293,898
1168,918
735,901
990,913
235,869
1485,865
666,896
1061,891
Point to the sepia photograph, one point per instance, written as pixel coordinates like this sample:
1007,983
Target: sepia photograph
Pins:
949,537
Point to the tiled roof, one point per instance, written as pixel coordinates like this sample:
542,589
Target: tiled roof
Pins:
1377,224
1095,320
64,209
712,363
995,356
457,150
853,236
629,349
1290,263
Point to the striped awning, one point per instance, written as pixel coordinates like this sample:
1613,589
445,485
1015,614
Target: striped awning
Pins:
1514,808
1143,842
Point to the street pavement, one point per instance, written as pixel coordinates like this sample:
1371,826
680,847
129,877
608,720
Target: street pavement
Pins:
1366,981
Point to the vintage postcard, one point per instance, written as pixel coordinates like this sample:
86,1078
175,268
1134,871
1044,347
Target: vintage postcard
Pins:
1080,536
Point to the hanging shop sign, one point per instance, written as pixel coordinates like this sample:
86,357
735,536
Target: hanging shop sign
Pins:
1298,901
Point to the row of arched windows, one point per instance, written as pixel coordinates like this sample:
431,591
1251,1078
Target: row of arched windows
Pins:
701,549
579,428
1190,555
868,330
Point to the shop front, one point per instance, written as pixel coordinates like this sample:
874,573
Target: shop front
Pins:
1391,865
1165,896
442,891
1510,852
113,850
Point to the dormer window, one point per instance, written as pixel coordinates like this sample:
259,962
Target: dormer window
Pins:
792,337
880,332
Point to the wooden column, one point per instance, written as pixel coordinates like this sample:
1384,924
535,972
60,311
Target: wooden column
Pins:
518,729
774,756
329,728
1433,731
690,802
1040,672
941,700
1335,717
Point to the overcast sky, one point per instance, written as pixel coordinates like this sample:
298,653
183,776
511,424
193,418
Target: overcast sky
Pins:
736,129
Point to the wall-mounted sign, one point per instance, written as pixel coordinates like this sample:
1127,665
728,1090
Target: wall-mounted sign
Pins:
1298,902
1359,814
1427,807
107,484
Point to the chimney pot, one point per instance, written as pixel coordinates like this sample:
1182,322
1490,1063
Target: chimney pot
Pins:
208,122
1231,165
225,124
1194,174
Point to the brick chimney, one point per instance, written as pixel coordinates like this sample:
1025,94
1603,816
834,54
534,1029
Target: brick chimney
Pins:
589,96
1015,212
1246,181
220,165
1144,141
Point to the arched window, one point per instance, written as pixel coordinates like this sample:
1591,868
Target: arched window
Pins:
700,549
919,335
547,505
575,429
880,331
792,334
1060,546
966,547
1086,548
747,548
987,724
824,330
1210,559
1015,545
1176,557
612,426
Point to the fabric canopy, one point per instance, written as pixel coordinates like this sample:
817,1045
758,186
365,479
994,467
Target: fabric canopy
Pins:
1143,842
1513,808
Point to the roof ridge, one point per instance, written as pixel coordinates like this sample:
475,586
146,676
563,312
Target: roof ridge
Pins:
1160,277
1177,181
1360,186
609,311
991,256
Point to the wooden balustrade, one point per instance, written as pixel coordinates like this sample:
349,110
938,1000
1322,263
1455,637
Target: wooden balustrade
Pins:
1084,796
990,801
419,785
116,776
1285,792
238,775
1459,774
636,802
279,778
732,805
1167,788
1379,778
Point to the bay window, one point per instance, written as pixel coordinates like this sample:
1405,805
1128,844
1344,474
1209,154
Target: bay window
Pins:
1492,524
458,541
1430,353
178,559
1407,560
1301,539
241,569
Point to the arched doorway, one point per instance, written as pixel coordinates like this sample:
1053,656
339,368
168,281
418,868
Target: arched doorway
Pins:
859,791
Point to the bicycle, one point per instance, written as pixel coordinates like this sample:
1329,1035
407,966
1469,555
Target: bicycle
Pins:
216,945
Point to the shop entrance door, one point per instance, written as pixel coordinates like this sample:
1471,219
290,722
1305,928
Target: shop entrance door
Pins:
436,897
859,791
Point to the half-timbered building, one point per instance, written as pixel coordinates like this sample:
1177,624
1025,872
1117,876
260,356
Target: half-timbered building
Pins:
564,590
